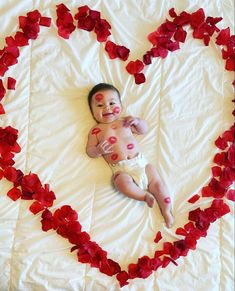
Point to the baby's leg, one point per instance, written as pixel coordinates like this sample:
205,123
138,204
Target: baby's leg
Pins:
158,188
125,184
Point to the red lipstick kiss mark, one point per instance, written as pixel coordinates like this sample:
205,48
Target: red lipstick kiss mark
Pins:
116,110
96,130
114,157
99,97
167,200
130,146
112,139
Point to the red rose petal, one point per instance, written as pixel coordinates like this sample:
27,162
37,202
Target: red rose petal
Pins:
223,37
14,193
231,195
2,111
36,207
3,69
45,21
11,174
2,90
21,39
216,171
206,40
197,18
94,14
22,21
11,83
172,13
207,192
181,231
122,52
134,67
139,78
87,23
82,12
180,34
111,49
162,52
122,277
221,143
173,46
158,237
194,198
1,174
34,16
230,64
147,59
182,19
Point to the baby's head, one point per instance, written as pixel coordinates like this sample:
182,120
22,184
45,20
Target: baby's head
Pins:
105,103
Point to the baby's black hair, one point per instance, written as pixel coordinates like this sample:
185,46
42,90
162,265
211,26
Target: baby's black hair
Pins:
101,87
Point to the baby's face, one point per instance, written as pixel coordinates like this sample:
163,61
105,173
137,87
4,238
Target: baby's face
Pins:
106,106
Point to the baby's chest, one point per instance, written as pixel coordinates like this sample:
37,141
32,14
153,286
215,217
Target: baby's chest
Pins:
115,134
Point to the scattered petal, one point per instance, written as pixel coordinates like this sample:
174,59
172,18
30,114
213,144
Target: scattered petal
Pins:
193,199
11,83
158,237
14,193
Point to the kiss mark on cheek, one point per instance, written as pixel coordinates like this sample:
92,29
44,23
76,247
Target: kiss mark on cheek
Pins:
130,146
116,110
99,97
112,139
167,200
96,130
114,157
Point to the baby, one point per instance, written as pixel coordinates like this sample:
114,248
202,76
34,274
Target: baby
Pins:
113,139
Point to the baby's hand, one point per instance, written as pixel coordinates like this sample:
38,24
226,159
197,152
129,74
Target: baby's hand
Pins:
104,148
130,121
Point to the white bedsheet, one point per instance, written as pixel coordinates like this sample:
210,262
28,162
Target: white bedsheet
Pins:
186,101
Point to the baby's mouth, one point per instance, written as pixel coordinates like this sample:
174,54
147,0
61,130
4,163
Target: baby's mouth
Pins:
107,114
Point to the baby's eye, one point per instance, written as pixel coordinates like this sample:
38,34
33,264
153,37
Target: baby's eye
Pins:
99,105
112,103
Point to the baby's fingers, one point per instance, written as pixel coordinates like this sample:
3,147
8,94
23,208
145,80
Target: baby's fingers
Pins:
108,149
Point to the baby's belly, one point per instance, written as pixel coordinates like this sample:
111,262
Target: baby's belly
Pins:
123,151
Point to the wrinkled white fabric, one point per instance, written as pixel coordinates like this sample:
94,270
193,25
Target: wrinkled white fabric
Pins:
186,101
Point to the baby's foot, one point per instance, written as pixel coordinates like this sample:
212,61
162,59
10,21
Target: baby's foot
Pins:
168,217
149,199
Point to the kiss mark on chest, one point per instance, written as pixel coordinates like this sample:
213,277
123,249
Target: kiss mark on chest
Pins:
112,139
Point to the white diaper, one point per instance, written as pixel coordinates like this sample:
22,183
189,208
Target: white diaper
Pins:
135,168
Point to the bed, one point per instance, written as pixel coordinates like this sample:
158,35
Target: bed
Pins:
186,100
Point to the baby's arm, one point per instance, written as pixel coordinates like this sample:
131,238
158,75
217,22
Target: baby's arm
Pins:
94,149
137,125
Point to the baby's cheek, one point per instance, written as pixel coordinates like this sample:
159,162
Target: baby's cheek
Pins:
116,110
